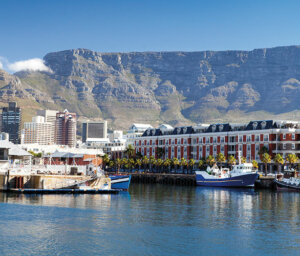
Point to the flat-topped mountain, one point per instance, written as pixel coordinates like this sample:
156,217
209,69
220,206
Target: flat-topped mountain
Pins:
171,87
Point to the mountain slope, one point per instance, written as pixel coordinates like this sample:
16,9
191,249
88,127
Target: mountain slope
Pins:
173,87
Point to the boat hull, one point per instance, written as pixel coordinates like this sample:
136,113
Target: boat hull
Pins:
284,186
245,180
120,181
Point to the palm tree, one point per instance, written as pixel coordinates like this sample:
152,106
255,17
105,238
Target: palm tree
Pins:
255,164
105,160
221,158
210,160
175,163
183,163
138,162
111,164
292,159
167,163
124,163
158,163
265,158
131,163
263,150
129,151
151,162
243,159
118,164
145,162
278,159
191,164
231,161
200,164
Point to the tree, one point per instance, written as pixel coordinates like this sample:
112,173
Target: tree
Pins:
278,159
191,164
131,163
243,159
265,158
111,164
125,163
160,152
231,161
151,162
167,163
138,162
210,160
183,163
105,160
255,164
221,158
145,162
158,163
200,164
129,151
291,159
175,162
118,164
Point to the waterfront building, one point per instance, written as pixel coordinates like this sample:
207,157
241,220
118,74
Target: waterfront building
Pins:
136,131
38,131
65,128
11,122
197,142
94,130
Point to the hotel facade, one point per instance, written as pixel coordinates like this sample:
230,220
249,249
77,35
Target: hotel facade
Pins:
198,142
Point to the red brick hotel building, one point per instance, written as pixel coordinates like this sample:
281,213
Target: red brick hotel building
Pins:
200,141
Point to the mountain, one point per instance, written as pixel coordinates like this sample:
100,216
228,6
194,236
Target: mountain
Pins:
172,87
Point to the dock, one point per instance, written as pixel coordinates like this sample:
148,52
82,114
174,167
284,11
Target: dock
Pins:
63,191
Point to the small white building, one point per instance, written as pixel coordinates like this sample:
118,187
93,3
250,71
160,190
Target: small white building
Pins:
135,131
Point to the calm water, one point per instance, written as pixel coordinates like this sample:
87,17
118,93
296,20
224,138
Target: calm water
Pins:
152,220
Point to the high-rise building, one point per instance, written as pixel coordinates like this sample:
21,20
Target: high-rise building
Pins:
49,115
38,131
65,128
94,130
11,122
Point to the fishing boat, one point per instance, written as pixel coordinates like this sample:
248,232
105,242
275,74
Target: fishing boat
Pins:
120,181
288,184
242,175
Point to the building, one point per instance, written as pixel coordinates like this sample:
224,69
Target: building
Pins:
38,131
11,122
49,115
94,130
197,142
135,131
65,128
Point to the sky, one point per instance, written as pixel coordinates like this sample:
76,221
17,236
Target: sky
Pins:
30,29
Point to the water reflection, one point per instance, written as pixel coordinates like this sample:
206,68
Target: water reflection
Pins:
152,220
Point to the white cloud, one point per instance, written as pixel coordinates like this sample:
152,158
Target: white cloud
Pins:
35,64
1,65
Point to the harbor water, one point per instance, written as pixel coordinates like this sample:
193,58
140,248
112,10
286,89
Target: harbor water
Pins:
152,220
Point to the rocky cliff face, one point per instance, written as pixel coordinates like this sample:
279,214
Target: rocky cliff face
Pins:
173,87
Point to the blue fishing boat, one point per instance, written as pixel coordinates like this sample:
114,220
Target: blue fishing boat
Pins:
242,175
120,181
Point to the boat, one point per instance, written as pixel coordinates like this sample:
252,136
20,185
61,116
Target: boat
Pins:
288,184
120,181
242,175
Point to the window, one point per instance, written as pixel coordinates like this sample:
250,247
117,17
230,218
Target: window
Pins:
256,147
215,148
266,137
284,146
215,139
200,140
207,149
248,138
293,146
284,136
200,149
257,137
222,139
240,147
293,136
222,148
240,138
185,149
248,148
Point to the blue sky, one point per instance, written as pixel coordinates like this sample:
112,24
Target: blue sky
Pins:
30,29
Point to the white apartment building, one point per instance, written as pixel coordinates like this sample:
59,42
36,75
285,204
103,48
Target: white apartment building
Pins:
38,131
